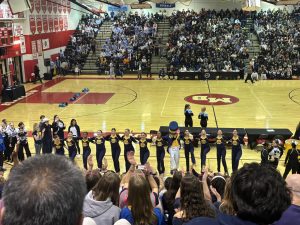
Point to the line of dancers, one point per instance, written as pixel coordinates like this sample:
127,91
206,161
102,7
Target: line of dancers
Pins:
49,138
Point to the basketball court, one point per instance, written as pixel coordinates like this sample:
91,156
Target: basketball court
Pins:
144,105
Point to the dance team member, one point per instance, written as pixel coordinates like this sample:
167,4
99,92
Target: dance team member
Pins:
100,147
58,145
188,148
75,129
22,142
205,148
275,154
71,144
46,137
221,152
173,140
58,127
291,160
86,150
128,147
114,139
203,116
264,154
237,143
6,139
188,116
144,151
37,137
160,153
12,139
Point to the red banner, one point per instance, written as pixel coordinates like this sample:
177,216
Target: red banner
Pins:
54,5
68,6
32,24
49,7
66,25
45,23
32,5
64,3
61,23
37,4
50,20
44,5
39,23
56,25
59,5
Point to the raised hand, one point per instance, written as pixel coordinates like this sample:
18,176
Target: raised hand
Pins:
130,157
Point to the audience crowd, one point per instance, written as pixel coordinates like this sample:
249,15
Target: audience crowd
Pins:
279,37
208,40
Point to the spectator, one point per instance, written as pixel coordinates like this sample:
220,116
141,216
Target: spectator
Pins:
292,214
101,204
140,209
54,193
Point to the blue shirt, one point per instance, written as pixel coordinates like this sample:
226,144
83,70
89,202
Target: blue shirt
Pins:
2,146
126,214
290,216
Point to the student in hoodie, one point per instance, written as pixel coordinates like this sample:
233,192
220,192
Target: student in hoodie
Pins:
144,151
101,204
100,147
259,196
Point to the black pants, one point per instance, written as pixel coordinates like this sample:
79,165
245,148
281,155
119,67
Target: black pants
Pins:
236,155
21,152
203,123
11,147
288,168
115,153
160,155
6,151
100,153
85,155
72,152
77,145
1,159
187,151
249,78
47,147
188,123
144,155
221,154
38,77
203,153
127,163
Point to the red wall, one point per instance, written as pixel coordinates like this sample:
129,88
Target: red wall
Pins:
56,40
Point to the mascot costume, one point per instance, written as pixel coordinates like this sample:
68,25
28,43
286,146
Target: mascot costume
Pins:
173,141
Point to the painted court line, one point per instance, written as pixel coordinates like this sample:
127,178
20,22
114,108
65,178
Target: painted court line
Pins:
164,105
261,103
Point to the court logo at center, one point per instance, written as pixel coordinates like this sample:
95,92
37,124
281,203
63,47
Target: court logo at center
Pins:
211,99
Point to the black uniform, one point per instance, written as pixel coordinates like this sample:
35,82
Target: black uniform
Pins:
291,162
236,152
86,150
12,140
221,153
59,147
100,149
188,118
58,129
160,155
128,147
23,144
264,155
47,140
71,147
115,150
188,148
205,148
203,119
144,151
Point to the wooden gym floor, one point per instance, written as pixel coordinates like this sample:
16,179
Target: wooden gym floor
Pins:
144,105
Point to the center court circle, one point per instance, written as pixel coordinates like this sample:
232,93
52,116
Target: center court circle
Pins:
211,99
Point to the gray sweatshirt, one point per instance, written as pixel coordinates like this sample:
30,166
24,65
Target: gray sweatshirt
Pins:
102,212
